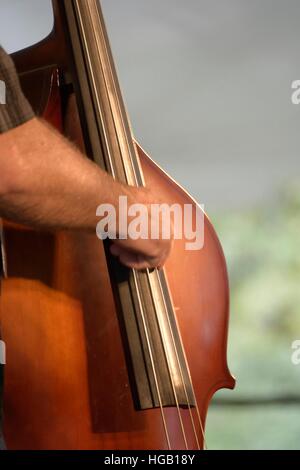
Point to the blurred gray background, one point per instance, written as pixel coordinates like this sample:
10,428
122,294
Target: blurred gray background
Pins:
208,88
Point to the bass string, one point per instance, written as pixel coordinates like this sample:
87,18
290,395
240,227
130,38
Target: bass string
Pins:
188,369
179,363
140,303
152,362
168,362
135,273
148,275
83,36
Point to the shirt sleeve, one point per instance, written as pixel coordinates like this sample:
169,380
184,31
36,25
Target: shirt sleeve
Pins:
14,107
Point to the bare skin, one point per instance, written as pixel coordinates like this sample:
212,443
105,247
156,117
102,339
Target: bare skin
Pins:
45,182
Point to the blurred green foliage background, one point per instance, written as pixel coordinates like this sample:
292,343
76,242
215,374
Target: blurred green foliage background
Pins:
262,250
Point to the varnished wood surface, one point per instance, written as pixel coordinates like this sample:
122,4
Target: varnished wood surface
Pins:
66,376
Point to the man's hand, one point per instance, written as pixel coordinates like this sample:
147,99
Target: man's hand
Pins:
144,253
141,254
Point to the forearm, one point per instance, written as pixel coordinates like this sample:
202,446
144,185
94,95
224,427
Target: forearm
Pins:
46,182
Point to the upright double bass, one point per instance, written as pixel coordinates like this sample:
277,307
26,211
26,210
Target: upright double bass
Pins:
100,356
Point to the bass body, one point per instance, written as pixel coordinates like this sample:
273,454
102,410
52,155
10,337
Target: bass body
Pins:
68,382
